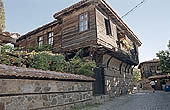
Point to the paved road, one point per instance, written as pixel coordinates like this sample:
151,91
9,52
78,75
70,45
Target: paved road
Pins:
140,101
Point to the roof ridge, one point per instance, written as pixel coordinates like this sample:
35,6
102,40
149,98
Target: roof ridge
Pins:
57,14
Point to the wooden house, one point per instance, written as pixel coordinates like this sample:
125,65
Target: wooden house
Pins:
92,25
150,68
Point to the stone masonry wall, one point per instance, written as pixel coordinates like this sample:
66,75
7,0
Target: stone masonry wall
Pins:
30,89
117,82
20,94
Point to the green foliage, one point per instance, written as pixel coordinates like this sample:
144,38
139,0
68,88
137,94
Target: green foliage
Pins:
164,57
46,47
137,74
76,65
5,49
46,60
169,45
7,58
41,61
86,68
73,65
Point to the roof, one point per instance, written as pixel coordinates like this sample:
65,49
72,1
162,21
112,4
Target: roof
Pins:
149,61
120,21
159,77
86,2
72,7
25,73
77,6
5,37
55,22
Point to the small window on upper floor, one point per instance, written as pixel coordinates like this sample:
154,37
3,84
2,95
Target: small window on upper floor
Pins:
108,27
51,38
83,23
40,41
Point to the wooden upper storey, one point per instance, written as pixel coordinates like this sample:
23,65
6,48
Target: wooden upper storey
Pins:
100,4
84,24
149,68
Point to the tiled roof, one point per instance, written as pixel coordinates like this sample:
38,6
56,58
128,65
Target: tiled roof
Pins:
26,73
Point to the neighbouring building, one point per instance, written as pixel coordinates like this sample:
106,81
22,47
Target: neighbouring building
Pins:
8,38
148,70
94,27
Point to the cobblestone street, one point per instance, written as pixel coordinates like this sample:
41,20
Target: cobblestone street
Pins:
140,101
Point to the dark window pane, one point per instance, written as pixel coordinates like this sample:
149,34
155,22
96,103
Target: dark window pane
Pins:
108,27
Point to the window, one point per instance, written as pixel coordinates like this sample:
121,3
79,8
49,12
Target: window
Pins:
40,41
83,25
50,38
108,27
153,69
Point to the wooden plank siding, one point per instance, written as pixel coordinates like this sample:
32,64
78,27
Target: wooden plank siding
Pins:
32,40
71,37
67,35
108,41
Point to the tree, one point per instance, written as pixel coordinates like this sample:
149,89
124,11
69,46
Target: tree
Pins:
164,56
136,74
2,16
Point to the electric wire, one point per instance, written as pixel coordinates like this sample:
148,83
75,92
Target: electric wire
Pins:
133,9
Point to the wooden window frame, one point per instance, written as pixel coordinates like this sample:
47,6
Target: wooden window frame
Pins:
40,41
50,37
84,22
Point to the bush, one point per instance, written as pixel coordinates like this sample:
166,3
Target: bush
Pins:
46,60
87,68
46,47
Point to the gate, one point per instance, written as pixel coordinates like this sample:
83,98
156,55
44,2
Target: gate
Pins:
99,84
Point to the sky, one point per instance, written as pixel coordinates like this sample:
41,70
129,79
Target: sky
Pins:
150,22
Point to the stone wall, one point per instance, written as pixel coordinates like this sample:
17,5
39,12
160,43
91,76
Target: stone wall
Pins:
26,93
118,81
